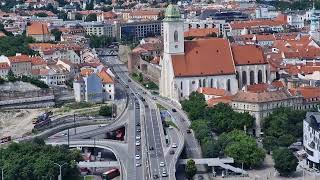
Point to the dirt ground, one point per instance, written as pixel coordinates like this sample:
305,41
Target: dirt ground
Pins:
16,123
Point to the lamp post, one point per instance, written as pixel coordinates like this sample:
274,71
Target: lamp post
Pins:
60,166
2,178
74,123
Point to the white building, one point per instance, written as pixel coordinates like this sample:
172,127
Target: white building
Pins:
311,136
214,63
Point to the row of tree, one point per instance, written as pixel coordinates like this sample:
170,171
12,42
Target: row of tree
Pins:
36,160
10,45
100,41
208,122
10,77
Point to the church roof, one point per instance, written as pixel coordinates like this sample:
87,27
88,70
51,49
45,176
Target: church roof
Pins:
172,11
248,55
204,57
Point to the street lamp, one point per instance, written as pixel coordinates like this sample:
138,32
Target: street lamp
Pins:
2,178
60,166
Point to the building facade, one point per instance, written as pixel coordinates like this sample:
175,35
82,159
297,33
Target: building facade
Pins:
311,136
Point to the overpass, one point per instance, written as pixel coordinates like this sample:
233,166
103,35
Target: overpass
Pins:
221,162
99,164
119,149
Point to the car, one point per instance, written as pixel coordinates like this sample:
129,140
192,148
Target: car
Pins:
164,174
138,137
151,148
138,124
117,77
144,92
138,164
200,177
64,134
129,80
154,98
127,86
170,127
171,151
138,130
138,143
155,176
137,156
174,145
138,148
162,164
188,131
174,110
146,106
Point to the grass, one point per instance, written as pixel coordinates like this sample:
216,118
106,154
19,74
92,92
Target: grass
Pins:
78,105
170,123
160,107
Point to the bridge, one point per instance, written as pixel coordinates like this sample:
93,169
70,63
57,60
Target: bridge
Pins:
119,149
98,164
221,162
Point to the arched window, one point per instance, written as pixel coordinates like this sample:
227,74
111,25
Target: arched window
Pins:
228,85
251,77
175,36
244,78
204,83
211,83
259,76
181,85
199,82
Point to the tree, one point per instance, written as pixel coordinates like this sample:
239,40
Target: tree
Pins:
30,161
200,127
190,169
210,148
286,140
269,143
242,148
41,14
105,111
100,41
10,76
195,105
285,161
56,33
78,16
90,6
62,15
91,17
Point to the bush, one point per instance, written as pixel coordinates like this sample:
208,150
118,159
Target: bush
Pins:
105,111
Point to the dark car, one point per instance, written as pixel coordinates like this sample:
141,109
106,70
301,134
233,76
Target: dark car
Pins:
127,86
138,124
155,176
188,131
171,152
151,148
144,92
129,80
174,110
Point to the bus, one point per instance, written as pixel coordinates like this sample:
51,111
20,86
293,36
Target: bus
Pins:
112,173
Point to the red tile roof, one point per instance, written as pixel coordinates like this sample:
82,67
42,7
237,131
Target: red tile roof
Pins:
4,65
37,29
248,55
264,86
19,58
204,57
255,23
308,93
212,91
200,32
224,99
105,77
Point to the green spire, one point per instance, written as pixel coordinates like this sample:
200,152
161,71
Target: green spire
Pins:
172,11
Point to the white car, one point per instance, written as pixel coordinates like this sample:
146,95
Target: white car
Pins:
137,143
164,174
137,157
138,137
138,164
174,145
162,164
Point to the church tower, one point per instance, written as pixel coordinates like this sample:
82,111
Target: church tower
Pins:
173,38
314,26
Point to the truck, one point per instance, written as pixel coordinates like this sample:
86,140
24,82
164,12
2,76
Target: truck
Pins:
43,117
112,173
5,139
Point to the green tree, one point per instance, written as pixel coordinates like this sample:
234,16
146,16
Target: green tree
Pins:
90,6
56,33
269,143
195,105
105,111
10,76
190,169
41,14
210,148
242,148
91,17
285,161
286,140
140,77
31,161
200,128
62,15
78,16
9,46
